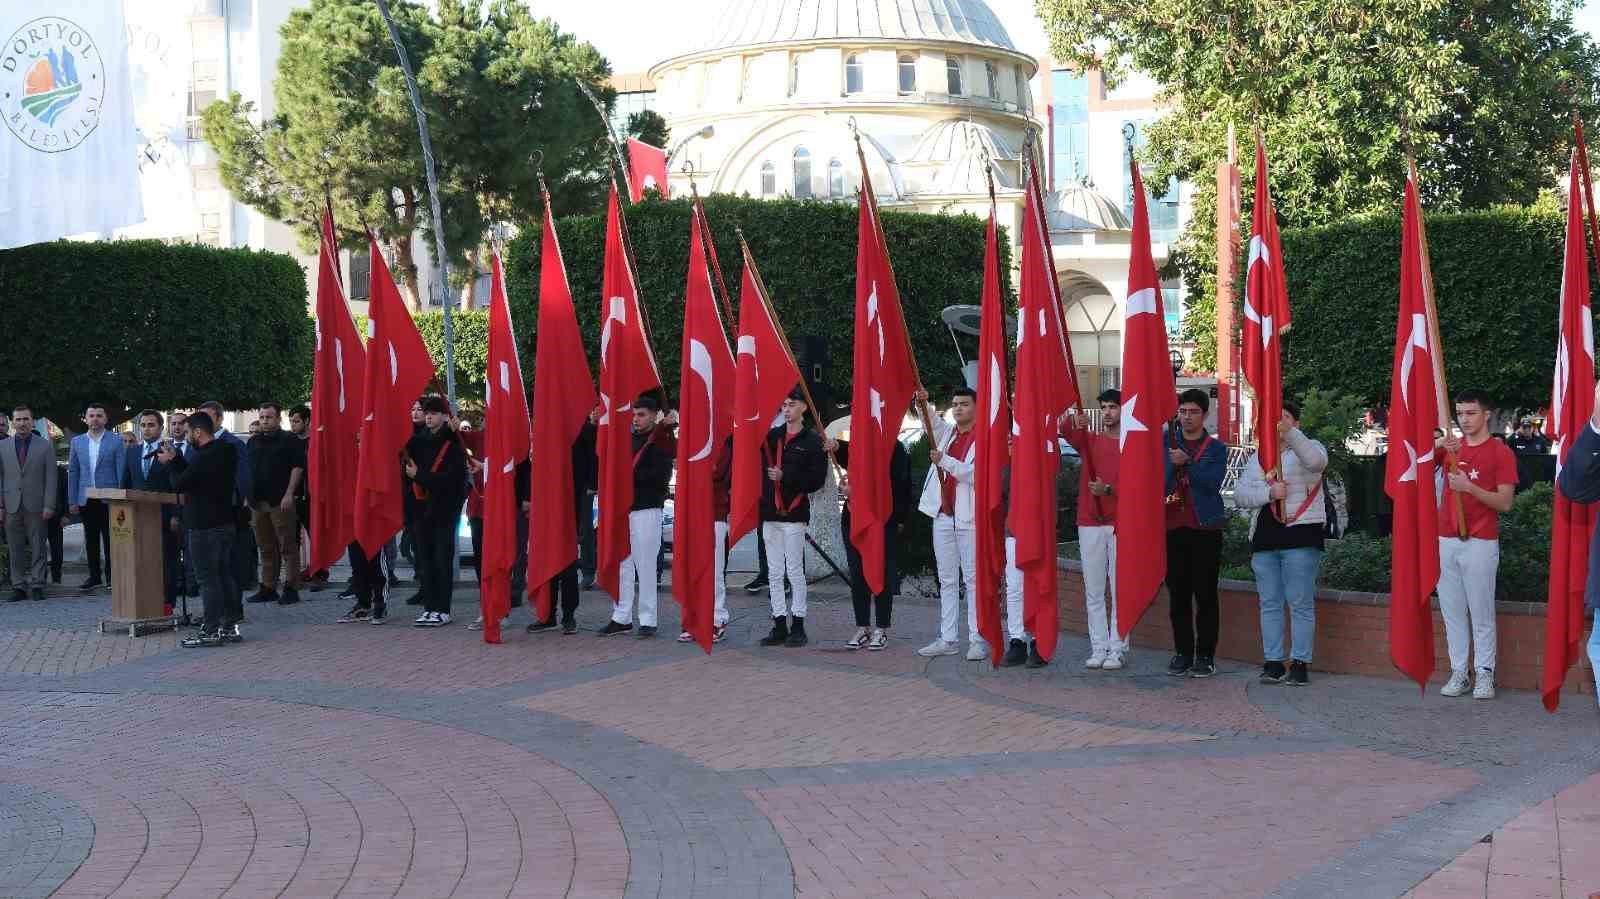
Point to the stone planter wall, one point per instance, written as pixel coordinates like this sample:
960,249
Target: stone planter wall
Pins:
1352,633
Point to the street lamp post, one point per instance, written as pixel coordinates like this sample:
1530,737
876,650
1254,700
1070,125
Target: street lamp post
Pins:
707,131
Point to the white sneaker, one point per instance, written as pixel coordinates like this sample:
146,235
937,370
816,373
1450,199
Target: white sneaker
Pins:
937,648
443,618
1096,659
977,650
426,619
1456,685
476,625
1483,686
1113,661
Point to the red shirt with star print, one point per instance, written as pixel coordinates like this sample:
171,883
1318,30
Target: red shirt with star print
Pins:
1488,465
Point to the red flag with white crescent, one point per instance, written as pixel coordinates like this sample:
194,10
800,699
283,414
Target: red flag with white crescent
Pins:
647,169
627,369
505,442
337,393
765,375
1266,318
1409,472
1571,408
992,433
705,418
397,372
1149,400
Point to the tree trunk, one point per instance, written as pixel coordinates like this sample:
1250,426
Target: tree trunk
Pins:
407,266
469,293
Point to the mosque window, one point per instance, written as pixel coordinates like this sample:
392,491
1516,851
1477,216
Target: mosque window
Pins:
769,179
952,75
993,79
835,178
802,173
908,73
852,74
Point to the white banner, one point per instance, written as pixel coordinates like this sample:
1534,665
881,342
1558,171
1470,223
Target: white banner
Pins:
159,60
68,149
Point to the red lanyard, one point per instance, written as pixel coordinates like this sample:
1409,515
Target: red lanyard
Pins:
774,454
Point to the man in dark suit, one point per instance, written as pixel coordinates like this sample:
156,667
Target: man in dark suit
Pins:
244,537
142,470
1579,481
27,502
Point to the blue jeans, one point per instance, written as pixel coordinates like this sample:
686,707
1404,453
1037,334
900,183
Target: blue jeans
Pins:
1594,651
1287,576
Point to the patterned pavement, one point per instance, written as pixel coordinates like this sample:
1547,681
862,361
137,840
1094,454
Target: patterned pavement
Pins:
346,760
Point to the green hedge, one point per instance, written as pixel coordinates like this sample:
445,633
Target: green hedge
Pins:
139,323
807,254
1497,276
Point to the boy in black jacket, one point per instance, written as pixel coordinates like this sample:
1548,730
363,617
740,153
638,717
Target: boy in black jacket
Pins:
436,474
795,468
207,484
654,449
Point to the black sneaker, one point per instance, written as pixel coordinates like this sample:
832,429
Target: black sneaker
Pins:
263,595
756,586
1034,659
1273,673
779,633
89,585
646,631
797,633
290,597
18,595
347,594
1016,654
380,614
613,627
1299,676
357,613
38,594
1179,666
1203,667
414,599
202,638
538,626
569,627
232,634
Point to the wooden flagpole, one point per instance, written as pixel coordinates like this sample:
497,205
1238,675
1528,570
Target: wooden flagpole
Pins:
1437,353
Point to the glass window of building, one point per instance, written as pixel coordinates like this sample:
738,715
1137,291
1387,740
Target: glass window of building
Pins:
993,78
360,276
802,173
908,73
852,74
952,75
1024,97
1069,127
1162,203
835,178
769,179
794,74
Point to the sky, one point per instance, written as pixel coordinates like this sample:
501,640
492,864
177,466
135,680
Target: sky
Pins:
636,34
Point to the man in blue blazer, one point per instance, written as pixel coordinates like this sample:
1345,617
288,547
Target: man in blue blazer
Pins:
142,470
95,460
1196,463
1579,481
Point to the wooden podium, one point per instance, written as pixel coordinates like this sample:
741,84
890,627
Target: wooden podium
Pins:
138,571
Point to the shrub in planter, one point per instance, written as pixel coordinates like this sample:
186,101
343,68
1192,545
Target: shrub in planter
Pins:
1359,562
1524,573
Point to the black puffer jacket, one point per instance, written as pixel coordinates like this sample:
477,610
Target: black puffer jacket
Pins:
654,453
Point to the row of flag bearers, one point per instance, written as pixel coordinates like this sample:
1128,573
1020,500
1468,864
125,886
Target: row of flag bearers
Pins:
992,482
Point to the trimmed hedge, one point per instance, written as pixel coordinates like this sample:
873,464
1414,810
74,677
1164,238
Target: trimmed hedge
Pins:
807,254
141,323
1497,276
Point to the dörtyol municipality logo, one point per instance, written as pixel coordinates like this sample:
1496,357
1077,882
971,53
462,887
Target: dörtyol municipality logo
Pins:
52,83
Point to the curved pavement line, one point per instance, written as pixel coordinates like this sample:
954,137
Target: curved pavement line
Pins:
44,838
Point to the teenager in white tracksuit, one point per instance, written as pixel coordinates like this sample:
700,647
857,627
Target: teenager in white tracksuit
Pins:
948,500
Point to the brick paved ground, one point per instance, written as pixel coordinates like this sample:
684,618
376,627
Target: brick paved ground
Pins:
321,760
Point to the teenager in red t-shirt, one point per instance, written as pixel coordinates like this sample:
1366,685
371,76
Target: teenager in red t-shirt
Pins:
1482,484
1097,514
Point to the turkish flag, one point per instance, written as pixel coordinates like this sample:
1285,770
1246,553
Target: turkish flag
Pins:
765,375
647,166
397,372
336,391
1408,476
627,369
705,419
563,396
1046,387
1266,318
1571,407
505,444
1149,400
885,379
992,433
